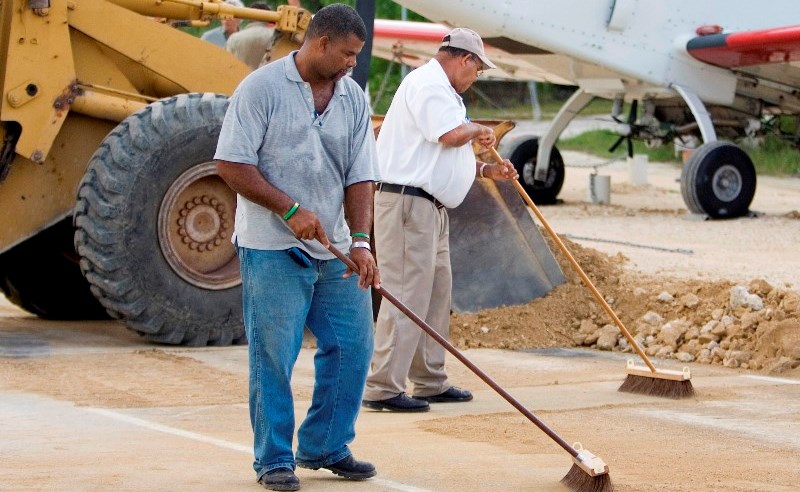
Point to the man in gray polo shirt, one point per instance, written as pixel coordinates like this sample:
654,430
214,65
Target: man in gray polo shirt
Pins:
297,146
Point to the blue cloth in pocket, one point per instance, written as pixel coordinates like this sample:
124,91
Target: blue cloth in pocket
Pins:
299,256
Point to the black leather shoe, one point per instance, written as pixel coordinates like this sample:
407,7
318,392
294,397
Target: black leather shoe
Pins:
349,468
280,479
352,469
452,395
399,403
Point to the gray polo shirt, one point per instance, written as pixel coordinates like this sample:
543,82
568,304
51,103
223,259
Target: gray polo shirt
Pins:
271,123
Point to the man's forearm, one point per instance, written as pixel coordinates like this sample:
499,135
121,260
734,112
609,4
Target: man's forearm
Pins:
358,206
251,184
461,135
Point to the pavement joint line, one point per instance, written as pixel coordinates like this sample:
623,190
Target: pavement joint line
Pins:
771,379
170,430
737,426
220,442
396,486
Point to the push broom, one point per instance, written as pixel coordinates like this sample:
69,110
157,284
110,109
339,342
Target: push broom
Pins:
589,473
643,380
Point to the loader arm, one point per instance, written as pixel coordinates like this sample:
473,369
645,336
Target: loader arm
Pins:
56,54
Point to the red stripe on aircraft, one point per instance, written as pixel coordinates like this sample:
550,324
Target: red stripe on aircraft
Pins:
410,31
742,49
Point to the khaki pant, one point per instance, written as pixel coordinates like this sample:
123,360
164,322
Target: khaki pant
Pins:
412,243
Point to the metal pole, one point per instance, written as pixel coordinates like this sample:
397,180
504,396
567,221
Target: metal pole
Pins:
537,109
366,9
403,67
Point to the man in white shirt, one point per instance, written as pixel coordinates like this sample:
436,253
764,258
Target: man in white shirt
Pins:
426,165
252,43
220,34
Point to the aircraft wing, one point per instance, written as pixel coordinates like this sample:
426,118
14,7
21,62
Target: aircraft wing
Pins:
414,43
769,54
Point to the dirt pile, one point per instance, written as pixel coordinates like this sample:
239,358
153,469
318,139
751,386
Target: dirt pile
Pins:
754,326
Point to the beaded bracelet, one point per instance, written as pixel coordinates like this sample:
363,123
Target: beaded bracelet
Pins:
291,211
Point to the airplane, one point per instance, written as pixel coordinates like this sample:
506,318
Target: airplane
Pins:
714,69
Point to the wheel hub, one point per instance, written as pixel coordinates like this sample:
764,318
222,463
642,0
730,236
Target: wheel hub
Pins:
195,227
727,183
203,223
528,170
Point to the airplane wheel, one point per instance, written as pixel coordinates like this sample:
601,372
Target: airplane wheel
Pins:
719,180
524,159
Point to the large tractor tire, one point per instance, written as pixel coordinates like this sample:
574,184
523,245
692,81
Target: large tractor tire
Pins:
524,159
154,223
718,180
42,276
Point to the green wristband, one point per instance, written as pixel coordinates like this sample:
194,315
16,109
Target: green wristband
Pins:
291,211
361,234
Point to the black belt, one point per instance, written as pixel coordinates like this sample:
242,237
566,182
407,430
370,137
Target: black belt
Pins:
409,190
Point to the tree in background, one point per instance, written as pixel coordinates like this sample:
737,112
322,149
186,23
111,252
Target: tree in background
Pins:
491,96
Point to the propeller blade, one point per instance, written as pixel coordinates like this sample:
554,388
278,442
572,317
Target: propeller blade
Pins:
632,114
630,147
616,144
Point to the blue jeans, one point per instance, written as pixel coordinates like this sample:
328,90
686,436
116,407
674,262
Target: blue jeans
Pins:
280,298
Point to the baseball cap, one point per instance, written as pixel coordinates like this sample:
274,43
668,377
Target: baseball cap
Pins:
467,39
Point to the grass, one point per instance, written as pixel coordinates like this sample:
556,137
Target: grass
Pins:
775,157
549,109
597,142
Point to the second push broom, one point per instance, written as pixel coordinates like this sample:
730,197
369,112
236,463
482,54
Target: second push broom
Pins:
642,380
589,473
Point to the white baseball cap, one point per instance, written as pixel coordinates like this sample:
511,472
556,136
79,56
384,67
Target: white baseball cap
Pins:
469,40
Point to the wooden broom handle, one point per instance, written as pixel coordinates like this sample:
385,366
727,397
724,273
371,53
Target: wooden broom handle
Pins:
575,265
458,355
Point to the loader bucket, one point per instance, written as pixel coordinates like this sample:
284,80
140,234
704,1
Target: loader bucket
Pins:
497,254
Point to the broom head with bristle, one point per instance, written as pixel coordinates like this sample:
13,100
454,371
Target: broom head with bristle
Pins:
589,473
661,382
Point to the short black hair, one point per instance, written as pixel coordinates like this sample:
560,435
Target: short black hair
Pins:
261,6
336,21
454,52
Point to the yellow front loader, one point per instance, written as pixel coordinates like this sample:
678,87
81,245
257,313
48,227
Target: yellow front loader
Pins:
130,204
109,118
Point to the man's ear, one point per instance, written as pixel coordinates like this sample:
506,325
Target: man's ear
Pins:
322,43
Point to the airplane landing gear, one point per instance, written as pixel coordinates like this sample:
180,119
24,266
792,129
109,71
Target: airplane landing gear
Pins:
718,180
524,159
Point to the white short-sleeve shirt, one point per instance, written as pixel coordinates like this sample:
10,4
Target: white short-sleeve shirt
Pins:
424,108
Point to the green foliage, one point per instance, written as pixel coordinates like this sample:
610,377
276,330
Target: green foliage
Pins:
599,141
775,157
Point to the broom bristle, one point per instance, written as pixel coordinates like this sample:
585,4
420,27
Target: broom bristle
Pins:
653,386
578,480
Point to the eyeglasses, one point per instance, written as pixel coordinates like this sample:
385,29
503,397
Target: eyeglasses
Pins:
478,64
